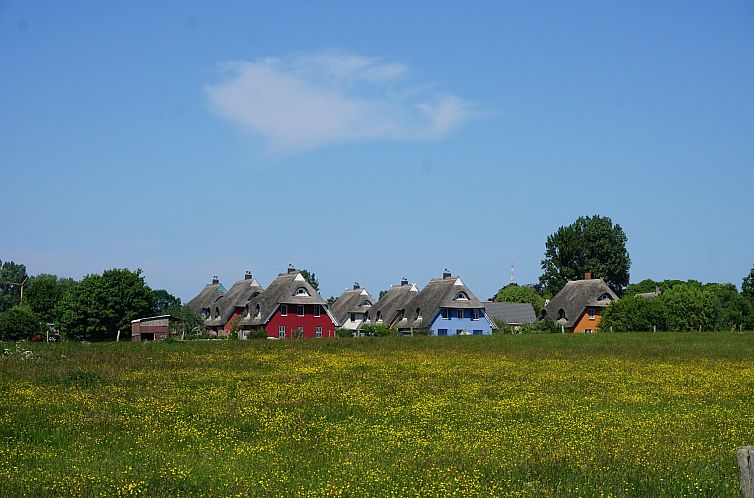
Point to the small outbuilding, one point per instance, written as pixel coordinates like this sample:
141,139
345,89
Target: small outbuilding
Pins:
153,328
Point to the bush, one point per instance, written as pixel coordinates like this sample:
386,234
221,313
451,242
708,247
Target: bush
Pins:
377,330
257,334
344,333
423,331
538,327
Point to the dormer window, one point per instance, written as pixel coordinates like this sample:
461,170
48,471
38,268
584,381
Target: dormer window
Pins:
366,316
366,304
379,316
205,311
259,313
561,314
247,311
418,313
217,312
461,296
605,297
301,291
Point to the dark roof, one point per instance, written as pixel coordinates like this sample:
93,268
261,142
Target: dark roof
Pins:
237,297
281,291
575,296
511,313
439,293
395,298
208,298
350,301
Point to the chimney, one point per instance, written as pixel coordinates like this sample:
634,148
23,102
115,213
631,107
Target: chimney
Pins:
445,274
291,269
215,280
247,275
404,281
588,275
356,286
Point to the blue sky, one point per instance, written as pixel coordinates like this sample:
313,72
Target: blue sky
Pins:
369,141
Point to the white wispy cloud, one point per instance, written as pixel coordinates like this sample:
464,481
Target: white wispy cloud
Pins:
307,101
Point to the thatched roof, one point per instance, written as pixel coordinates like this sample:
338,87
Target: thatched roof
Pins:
576,296
208,298
282,290
238,295
439,293
511,313
351,302
396,298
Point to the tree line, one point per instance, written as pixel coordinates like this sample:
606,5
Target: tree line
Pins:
93,309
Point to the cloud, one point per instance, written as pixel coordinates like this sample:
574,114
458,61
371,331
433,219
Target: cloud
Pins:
304,102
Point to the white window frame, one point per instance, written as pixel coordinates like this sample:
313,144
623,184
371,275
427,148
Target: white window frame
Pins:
591,312
459,314
445,314
283,310
318,332
353,317
281,331
317,310
475,314
300,310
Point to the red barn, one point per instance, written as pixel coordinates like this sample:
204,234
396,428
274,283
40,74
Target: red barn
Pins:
289,308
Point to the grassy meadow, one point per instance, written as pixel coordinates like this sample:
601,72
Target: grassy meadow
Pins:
538,415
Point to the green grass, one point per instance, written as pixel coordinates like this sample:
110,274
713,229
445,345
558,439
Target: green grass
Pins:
559,415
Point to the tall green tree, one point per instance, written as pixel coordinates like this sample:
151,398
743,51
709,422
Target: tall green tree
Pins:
689,307
165,303
101,305
18,323
635,314
44,292
590,244
12,275
311,278
747,292
513,293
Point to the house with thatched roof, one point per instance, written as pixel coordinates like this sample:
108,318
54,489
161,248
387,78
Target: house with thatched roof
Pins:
445,306
396,297
206,303
579,304
511,313
352,307
289,308
234,302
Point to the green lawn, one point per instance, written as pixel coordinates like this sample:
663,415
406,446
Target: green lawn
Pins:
603,414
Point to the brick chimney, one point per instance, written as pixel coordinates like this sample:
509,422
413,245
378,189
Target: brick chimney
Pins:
588,275
247,275
445,274
404,281
292,269
356,286
215,280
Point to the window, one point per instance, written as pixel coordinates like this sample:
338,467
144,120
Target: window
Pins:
605,297
248,313
366,316
418,313
281,332
301,292
206,313
366,304
461,296
259,313
459,314
379,316
353,317
300,310
460,332
444,313
591,313
442,331
561,314
478,332
217,312
318,332
475,314
284,309
316,310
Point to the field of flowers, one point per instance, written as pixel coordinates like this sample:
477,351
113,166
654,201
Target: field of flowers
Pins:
591,415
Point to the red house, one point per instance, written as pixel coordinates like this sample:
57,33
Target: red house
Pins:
289,308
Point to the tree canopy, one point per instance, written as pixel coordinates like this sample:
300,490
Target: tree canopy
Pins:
19,322
12,275
101,305
44,292
590,244
513,293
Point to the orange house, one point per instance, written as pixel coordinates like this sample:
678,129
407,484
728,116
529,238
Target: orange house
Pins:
578,306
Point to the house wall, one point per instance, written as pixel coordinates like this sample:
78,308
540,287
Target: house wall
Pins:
293,321
466,323
160,331
353,325
584,323
237,312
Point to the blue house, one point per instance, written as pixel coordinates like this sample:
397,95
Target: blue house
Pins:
446,307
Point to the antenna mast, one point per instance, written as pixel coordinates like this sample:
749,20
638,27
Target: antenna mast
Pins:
513,273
